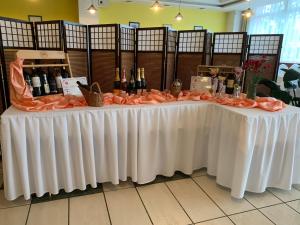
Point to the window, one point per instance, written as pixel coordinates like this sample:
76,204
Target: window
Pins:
279,17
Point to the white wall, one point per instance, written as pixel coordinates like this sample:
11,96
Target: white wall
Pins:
234,21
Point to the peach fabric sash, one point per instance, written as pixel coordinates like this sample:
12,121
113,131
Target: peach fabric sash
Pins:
21,97
156,97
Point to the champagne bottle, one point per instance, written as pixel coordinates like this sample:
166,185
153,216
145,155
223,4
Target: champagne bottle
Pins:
52,82
45,84
230,84
143,80
131,85
58,79
36,83
117,83
123,82
138,83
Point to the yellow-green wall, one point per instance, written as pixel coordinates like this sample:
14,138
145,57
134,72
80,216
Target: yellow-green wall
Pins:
48,9
122,13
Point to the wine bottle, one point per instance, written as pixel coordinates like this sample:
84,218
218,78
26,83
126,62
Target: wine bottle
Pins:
36,83
143,80
117,82
58,79
45,84
131,85
230,84
28,80
64,73
123,82
138,83
52,82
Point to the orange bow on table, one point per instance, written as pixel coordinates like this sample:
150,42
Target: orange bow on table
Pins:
21,96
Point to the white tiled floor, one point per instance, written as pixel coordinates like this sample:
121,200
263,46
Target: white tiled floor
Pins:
197,200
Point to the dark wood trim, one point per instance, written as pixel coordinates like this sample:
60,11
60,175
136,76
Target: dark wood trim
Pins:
4,79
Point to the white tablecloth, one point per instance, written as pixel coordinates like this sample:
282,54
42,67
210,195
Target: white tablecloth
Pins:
246,149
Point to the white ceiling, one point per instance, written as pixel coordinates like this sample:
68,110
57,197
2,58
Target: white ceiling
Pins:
224,5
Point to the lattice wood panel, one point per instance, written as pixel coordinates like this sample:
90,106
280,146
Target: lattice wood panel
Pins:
229,48
16,34
191,41
49,35
103,37
75,36
127,38
151,39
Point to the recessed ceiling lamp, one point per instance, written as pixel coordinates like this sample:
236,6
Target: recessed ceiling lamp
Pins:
92,9
156,6
248,13
179,16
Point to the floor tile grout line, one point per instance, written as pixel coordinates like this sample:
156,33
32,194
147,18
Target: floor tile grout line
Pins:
178,202
68,211
144,205
212,200
118,189
28,214
292,208
275,195
259,210
15,206
109,217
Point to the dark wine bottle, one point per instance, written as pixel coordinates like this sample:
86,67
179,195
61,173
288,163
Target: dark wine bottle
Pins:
138,83
143,80
45,84
58,79
117,82
52,82
36,83
124,82
131,85
230,84
28,80
64,73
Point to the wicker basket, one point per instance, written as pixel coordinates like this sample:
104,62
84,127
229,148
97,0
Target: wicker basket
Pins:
94,97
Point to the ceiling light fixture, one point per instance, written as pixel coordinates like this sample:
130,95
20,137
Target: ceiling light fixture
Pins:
92,9
156,6
179,16
247,13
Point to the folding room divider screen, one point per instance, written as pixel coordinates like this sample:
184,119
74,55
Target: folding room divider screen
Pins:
127,48
3,103
15,35
208,48
268,46
229,48
151,55
170,58
76,45
191,52
104,56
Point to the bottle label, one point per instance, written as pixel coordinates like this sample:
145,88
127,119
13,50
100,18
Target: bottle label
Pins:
116,91
230,83
36,82
46,88
58,82
139,91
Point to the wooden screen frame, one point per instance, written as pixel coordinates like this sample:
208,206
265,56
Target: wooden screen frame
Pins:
163,52
61,37
166,56
116,50
120,51
244,47
4,80
66,49
203,52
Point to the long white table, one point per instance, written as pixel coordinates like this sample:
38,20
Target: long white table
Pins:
246,149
